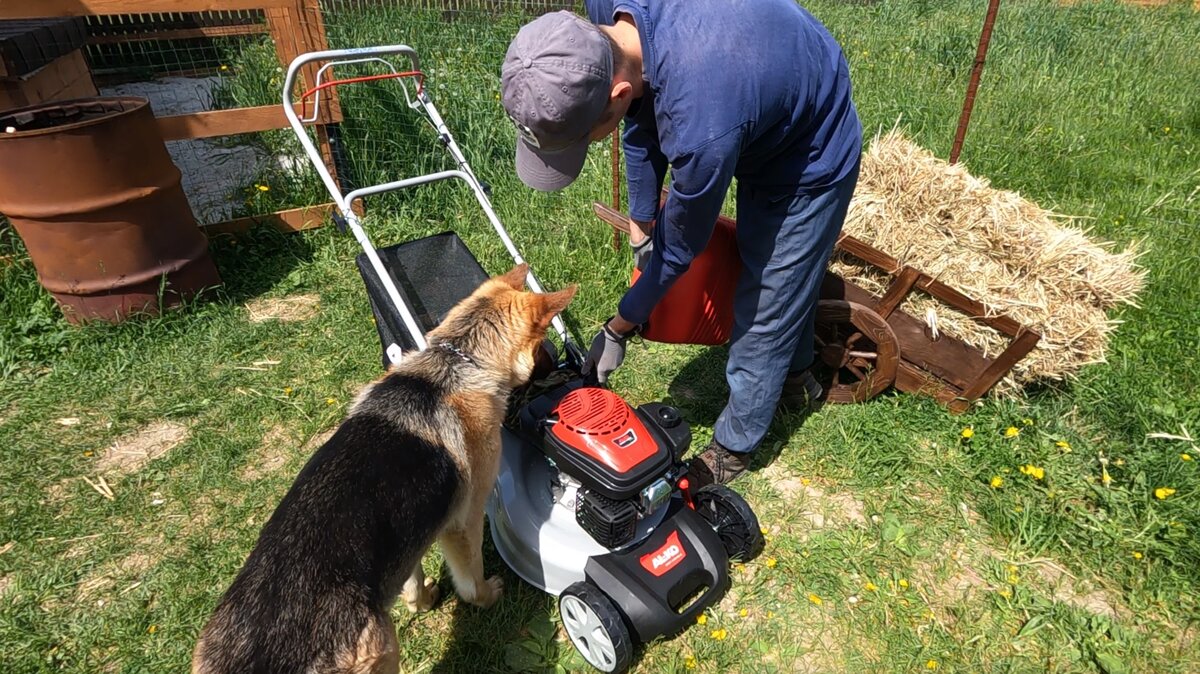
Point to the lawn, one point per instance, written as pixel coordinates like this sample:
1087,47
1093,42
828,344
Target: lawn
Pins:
894,543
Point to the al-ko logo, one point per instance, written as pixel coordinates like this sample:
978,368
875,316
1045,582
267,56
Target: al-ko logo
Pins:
665,558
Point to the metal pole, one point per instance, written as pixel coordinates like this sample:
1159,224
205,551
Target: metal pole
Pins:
976,70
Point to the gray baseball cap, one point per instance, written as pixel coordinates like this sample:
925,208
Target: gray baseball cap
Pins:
555,84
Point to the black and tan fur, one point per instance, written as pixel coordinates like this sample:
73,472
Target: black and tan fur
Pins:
413,462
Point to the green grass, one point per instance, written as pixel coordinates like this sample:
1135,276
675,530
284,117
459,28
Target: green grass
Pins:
1091,110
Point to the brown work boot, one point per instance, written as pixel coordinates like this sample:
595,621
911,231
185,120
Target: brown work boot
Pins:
716,465
801,392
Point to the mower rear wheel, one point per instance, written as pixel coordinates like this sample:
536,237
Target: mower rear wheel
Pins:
733,520
595,627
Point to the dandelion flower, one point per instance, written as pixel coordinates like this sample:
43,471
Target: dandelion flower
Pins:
763,531
1163,492
330,401
720,634
968,433
88,453
770,614
152,629
1185,457
997,482
287,390
1036,472
805,481
904,583
771,562
1063,445
931,664
1166,129
870,587
263,188
1007,594
701,619
1027,421
815,599
1137,555
224,67
743,613
1105,478
690,662
1012,432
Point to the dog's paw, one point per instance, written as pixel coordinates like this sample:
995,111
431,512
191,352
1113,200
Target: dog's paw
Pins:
489,592
426,597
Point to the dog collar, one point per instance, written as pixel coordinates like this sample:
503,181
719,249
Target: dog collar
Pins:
447,346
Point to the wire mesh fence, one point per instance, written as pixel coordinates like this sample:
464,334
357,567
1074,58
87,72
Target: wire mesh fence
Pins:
197,62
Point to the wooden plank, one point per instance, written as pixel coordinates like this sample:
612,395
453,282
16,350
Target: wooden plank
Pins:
969,306
1017,349
34,9
868,253
897,291
292,220
222,122
911,379
180,34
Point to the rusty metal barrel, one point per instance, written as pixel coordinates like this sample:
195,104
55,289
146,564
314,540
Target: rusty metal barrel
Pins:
90,189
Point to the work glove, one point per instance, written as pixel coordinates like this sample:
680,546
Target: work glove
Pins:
606,355
641,253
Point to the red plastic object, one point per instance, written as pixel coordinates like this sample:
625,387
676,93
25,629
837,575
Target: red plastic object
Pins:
601,425
698,309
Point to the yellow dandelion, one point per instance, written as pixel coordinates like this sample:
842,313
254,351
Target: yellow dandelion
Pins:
224,67
701,619
739,567
763,531
152,629
805,481
330,401
968,433
690,661
1105,478
770,614
1012,432
1007,594
287,390
1119,462
1027,421
1166,129
1013,579
1137,555
904,583
88,453
720,634
1036,472
743,613
771,562
931,664
1063,445
263,188
1163,492
997,482
1185,457
815,599
870,587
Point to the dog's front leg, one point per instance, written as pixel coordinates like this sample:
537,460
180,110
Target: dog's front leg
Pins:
463,550
420,593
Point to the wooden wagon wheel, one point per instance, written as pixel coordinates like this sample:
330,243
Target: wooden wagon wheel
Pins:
859,347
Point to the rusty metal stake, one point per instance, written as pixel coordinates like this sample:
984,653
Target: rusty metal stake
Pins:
976,70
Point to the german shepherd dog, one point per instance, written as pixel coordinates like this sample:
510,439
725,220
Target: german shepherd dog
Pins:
414,461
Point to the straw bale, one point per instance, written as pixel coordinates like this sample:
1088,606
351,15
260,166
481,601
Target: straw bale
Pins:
997,247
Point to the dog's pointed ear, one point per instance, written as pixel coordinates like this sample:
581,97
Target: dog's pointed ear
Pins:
547,306
515,278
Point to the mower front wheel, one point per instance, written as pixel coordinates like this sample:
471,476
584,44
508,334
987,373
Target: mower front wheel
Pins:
595,627
733,520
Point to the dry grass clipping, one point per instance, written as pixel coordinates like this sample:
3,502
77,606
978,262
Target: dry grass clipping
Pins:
1004,251
286,309
134,450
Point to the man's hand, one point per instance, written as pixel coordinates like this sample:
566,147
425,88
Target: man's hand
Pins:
607,351
641,242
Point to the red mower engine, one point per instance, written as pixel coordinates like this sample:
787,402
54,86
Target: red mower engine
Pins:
623,458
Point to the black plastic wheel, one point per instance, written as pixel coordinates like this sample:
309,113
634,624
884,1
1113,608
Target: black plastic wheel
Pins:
733,520
595,627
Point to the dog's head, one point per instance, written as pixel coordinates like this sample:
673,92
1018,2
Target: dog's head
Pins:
501,326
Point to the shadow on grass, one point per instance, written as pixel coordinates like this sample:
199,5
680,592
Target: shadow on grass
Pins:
518,634
250,264
700,392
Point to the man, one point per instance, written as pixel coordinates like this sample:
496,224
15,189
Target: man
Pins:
714,89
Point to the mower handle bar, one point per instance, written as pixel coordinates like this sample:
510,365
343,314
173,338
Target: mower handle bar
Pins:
345,202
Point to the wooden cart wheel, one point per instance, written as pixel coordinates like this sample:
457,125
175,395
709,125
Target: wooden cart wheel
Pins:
859,347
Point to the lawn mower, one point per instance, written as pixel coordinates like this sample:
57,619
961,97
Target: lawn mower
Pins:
592,503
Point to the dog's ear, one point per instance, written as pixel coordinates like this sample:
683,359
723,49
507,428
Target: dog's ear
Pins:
515,278
544,307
